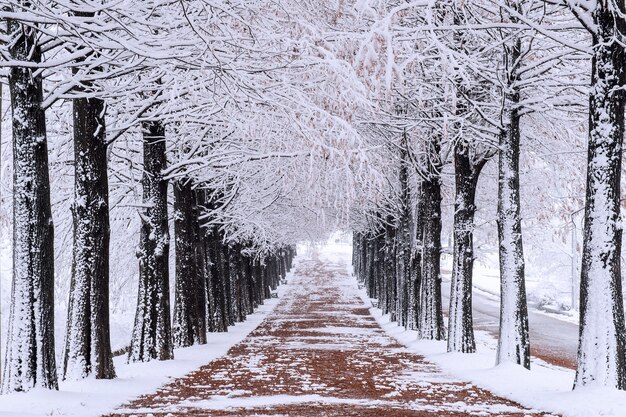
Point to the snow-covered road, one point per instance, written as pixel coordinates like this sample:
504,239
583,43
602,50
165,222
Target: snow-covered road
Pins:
551,339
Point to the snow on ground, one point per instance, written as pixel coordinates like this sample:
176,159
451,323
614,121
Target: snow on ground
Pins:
93,397
544,387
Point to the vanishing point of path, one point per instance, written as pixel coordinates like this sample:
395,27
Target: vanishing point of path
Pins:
320,353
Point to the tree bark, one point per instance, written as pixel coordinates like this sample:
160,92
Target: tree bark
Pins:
152,333
88,345
186,328
513,340
30,360
602,344
403,245
460,324
202,292
431,316
415,285
217,280
390,268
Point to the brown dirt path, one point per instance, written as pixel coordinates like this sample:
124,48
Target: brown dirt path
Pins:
320,353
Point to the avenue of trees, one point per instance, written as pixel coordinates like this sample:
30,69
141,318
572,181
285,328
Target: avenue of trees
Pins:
207,137
469,82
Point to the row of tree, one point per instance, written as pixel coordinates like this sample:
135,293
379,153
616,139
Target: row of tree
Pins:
471,80
94,56
276,121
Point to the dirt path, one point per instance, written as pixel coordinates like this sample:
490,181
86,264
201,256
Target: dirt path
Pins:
320,353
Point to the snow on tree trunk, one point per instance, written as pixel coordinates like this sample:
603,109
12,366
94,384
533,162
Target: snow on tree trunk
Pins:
390,268
460,325
186,329
30,360
217,280
602,350
373,253
380,283
200,287
431,316
233,274
228,285
403,251
251,284
152,333
513,341
416,266
87,341
207,298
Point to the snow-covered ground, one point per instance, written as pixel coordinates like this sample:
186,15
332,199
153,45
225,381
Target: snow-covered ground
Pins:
93,397
545,387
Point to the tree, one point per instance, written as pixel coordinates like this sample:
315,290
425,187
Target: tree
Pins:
513,339
30,358
152,334
189,313
602,342
88,346
431,316
460,323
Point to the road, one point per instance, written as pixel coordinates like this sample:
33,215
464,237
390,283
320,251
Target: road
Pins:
321,354
553,340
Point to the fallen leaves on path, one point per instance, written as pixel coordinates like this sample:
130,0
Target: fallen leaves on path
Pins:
320,353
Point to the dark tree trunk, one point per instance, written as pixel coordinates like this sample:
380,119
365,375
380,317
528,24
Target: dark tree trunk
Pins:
431,316
251,282
234,272
186,329
390,268
206,300
372,255
403,251
382,286
30,360
217,280
513,341
415,285
460,324
200,287
602,345
88,346
152,332
228,285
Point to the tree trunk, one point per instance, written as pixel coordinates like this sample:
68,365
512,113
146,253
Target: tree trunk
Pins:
200,293
217,280
30,360
390,268
601,349
513,341
88,345
460,325
415,274
152,333
229,289
431,316
403,251
186,329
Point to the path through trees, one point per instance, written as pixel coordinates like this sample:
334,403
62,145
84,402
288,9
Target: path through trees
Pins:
320,353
